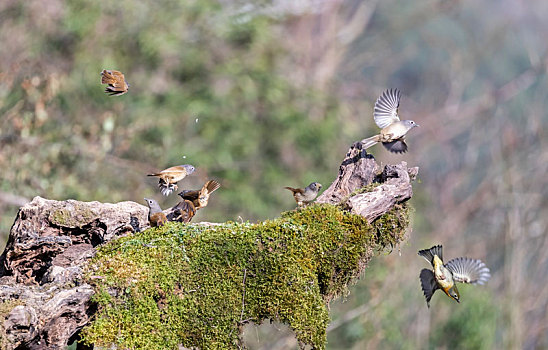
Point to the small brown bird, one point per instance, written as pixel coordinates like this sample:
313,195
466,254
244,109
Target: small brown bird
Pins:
184,211
393,130
156,216
170,176
117,84
307,195
200,197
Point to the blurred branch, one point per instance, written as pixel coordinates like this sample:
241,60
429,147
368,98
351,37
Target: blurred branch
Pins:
13,199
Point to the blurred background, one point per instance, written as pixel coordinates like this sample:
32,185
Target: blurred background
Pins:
261,95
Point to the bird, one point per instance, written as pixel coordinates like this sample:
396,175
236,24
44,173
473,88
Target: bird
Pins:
170,176
444,276
184,211
200,197
393,130
307,195
117,84
156,216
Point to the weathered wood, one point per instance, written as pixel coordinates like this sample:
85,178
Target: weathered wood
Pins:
43,297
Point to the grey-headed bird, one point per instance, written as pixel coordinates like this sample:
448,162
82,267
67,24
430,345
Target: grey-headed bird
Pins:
393,130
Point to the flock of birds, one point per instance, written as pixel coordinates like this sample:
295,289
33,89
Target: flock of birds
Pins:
392,136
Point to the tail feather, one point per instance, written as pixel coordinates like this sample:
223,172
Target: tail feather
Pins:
292,189
428,254
212,186
370,141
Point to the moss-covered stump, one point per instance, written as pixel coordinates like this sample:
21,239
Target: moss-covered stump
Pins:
197,285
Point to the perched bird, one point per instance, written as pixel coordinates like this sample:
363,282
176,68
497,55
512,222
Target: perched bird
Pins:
307,195
170,176
200,197
464,270
117,84
184,211
393,130
156,216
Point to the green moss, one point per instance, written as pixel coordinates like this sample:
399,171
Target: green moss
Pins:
196,286
74,217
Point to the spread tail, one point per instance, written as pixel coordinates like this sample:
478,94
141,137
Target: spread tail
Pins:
212,185
428,254
370,141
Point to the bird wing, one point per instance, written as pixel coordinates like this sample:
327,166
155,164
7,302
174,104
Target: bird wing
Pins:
468,270
398,146
386,108
428,284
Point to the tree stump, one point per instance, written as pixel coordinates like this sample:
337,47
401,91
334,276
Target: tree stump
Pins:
44,299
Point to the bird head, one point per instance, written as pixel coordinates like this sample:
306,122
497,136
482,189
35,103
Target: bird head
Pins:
453,292
189,168
315,186
409,124
153,205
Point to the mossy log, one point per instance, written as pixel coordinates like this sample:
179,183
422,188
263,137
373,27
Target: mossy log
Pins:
94,271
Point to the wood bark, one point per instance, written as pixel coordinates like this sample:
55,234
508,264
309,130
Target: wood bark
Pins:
45,300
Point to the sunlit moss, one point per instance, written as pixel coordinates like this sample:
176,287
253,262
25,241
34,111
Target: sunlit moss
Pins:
196,285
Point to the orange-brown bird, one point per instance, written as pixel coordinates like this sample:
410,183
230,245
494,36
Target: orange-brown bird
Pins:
306,195
393,130
156,216
170,176
117,84
184,211
200,197
444,276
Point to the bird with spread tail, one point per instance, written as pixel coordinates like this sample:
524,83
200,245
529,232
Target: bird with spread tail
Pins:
116,82
444,276
156,216
184,211
393,130
200,197
306,195
170,176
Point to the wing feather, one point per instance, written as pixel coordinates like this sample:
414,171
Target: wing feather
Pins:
386,108
468,270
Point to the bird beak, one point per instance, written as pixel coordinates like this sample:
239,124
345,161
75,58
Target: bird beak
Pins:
417,125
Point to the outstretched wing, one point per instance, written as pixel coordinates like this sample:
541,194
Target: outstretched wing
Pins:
468,270
428,284
386,108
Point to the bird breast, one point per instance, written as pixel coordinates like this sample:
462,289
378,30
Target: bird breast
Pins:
393,132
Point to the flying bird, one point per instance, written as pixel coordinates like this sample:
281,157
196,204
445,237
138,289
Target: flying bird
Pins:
170,176
184,211
156,216
117,84
393,130
444,276
200,197
307,195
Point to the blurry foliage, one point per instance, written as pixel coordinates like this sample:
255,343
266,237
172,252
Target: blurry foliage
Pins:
280,90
